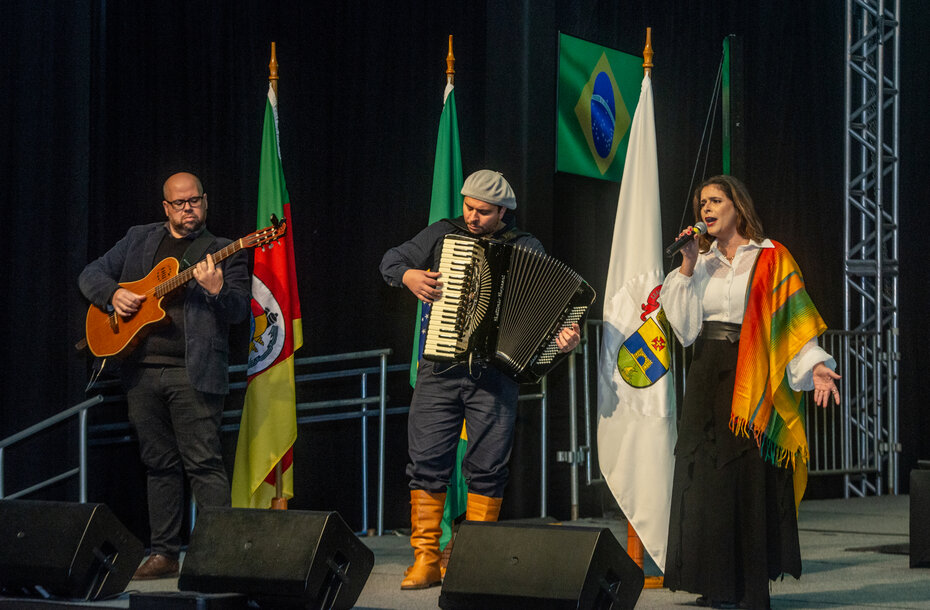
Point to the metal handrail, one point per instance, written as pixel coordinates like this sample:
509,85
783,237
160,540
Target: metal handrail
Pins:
308,412
362,401
80,410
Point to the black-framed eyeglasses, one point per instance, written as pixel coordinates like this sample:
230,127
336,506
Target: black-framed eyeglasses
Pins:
195,202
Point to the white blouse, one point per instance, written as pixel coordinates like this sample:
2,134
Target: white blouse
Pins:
716,291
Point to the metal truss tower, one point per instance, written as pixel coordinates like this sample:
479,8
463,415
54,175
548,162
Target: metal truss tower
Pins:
871,242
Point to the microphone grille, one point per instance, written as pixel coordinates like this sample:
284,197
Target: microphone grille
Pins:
700,228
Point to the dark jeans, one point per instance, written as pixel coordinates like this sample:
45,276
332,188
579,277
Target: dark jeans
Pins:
487,400
178,430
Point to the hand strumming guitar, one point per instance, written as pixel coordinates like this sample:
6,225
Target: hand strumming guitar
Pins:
125,302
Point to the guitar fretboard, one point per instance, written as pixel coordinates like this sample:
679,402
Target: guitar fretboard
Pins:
173,283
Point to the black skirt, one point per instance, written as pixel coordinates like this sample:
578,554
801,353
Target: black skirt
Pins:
733,524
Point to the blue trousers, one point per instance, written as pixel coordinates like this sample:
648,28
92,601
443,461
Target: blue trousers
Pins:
178,429
444,396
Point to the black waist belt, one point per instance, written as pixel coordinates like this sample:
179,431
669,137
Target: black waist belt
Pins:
719,331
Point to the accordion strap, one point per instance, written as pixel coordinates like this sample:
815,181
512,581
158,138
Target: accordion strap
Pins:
509,234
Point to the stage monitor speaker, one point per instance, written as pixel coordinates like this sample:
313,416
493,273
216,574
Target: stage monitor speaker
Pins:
500,565
278,558
920,518
78,551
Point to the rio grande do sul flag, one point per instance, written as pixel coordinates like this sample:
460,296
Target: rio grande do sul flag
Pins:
269,417
636,431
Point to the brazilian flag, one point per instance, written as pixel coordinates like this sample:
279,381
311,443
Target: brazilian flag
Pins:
598,90
445,202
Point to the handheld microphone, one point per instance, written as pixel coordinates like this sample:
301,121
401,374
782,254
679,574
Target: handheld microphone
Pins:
699,228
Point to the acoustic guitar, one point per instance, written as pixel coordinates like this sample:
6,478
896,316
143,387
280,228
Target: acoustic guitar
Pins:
109,334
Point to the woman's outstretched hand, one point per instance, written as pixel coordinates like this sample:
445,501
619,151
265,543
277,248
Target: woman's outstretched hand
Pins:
825,385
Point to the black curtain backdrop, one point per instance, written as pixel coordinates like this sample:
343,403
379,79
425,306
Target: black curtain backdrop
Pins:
103,100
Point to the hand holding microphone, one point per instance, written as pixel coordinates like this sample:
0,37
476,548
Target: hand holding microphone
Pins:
685,238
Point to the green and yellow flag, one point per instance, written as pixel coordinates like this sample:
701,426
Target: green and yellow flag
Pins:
269,417
597,95
445,200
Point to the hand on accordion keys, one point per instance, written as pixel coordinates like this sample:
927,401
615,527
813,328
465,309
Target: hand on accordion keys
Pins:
425,285
569,338
504,302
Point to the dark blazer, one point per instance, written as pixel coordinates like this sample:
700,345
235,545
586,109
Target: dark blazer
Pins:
206,318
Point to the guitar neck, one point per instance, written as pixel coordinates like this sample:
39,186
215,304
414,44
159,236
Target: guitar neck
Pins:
182,278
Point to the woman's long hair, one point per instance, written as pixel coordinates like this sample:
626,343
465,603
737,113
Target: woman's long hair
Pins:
748,224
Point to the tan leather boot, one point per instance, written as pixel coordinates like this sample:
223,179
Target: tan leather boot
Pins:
425,519
482,508
478,508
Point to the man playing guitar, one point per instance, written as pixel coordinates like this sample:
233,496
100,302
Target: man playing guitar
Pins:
175,375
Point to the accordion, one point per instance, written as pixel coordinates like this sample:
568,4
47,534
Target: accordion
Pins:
503,303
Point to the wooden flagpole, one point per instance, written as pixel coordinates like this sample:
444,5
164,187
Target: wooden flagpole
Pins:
447,550
647,54
279,502
634,545
450,64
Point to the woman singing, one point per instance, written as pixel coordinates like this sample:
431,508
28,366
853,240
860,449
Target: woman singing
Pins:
741,457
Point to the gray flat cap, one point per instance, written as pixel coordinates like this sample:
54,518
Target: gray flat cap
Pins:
489,186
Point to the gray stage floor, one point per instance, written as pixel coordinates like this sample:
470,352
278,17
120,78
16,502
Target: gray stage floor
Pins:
844,548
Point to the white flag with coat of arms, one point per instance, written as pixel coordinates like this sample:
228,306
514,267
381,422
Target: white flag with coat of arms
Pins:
636,431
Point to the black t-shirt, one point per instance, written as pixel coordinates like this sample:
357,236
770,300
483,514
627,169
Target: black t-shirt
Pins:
165,343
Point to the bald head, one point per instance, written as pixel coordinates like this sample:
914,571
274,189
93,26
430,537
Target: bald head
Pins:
185,204
182,181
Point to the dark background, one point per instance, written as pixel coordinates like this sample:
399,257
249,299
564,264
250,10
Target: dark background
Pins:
101,101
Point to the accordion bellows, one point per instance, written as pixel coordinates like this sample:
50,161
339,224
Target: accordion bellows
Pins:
503,303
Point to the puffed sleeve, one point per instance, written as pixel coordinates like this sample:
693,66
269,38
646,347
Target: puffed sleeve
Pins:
682,306
801,368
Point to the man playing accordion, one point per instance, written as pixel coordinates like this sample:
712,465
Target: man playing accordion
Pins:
447,393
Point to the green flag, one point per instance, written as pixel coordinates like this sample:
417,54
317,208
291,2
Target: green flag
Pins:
445,200
597,94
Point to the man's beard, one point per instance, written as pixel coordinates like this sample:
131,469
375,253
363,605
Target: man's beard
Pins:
188,227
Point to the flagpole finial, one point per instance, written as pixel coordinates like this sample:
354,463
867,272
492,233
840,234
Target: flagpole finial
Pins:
450,64
647,53
273,69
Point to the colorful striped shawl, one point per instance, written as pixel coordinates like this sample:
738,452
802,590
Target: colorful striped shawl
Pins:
779,320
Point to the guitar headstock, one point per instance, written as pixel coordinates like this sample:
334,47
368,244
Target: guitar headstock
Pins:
266,235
